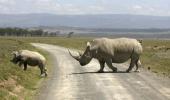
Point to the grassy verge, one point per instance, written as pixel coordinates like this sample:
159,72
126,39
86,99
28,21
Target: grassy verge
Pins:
77,43
156,56
16,84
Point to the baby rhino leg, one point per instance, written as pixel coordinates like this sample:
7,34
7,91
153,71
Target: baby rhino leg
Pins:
42,70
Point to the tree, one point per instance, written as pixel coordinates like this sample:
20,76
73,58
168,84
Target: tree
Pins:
70,34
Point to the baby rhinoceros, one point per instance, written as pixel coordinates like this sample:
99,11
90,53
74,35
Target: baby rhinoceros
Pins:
31,58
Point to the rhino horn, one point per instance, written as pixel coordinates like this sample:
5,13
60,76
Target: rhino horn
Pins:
75,57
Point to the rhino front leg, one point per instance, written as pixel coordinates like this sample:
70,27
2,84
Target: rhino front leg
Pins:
20,63
109,63
101,66
25,66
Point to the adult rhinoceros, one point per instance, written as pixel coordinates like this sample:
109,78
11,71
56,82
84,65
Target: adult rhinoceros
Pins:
111,51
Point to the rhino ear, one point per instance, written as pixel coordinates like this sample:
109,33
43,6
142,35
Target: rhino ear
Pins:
91,47
15,53
88,44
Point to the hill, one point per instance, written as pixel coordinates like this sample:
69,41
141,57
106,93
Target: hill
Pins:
86,21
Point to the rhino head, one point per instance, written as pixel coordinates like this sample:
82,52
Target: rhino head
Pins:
83,58
16,57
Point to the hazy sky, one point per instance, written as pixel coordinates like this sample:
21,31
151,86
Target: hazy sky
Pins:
146,7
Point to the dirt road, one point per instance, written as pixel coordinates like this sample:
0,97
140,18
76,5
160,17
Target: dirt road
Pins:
70,81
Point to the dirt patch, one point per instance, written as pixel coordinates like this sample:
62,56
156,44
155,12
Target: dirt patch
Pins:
18,89
11,86
161,48
8,83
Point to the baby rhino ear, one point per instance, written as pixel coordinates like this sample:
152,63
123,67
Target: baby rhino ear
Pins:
88,44
15,53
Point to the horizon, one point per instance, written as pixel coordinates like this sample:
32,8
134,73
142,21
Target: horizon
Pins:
81,14
123,21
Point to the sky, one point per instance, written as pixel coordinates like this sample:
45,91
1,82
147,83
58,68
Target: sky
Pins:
72,7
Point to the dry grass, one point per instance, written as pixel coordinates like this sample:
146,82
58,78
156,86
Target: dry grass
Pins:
157,56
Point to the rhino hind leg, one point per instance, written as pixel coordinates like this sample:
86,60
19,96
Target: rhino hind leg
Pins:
44,75
134,61
138,64
132,64
101,66
43,70
109,63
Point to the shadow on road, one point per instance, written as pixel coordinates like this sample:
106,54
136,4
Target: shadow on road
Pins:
100,72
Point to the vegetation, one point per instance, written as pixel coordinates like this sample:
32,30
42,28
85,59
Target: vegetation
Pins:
156,56
25,32
76,43
70,34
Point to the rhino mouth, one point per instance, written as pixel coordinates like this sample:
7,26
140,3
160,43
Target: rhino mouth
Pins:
82,58
14,61
82,64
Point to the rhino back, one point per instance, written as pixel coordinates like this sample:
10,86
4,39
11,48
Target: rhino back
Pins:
33,56
120,48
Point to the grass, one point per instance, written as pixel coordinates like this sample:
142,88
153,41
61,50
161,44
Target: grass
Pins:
14,82
157,56
76,43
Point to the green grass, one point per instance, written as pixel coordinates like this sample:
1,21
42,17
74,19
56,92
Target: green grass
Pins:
156,55
77,43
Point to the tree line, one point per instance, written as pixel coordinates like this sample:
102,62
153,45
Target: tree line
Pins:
26,32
